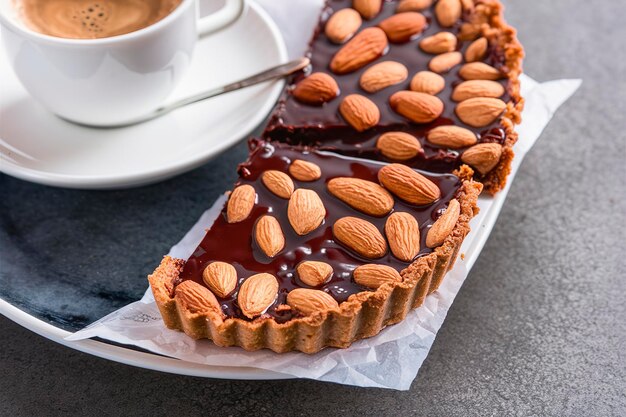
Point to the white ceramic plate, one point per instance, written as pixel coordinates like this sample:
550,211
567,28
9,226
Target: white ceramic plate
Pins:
37,146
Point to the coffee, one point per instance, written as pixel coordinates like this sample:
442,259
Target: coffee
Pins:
90,19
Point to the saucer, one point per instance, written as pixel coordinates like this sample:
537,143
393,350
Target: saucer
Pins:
37,146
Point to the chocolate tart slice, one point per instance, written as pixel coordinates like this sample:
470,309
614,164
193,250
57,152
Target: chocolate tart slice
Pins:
437,80
314,250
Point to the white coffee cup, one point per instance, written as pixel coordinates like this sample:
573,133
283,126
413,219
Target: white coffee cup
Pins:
108,80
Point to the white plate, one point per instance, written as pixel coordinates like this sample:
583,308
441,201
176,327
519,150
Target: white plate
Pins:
37,146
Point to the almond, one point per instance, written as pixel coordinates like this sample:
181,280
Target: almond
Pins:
428,82
314,273
403,235
438,43
448,12
366,46
360,112
220,277
361,236
368,8
399,146
480,111
278,183
403,27
445,62
342,25
415,106
195,298
444,225
308,301
468,5
413,5
305,170
477,88
240,203
316,89
477,50
257,294
408,185
383,75
305,211
479,71
365,196
269,236
373,276
483,157
469,31
451,136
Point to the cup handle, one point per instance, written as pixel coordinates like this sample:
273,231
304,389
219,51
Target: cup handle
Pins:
230,12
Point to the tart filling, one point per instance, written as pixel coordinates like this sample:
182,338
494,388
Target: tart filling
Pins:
306,235
444,74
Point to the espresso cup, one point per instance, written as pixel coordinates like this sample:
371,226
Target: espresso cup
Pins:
109,80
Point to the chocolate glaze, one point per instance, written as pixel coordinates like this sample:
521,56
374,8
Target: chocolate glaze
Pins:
234,243
322,126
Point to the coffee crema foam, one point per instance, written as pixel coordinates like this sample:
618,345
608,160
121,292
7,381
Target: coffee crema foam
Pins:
89,19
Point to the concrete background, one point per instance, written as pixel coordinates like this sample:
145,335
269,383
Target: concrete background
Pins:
538,328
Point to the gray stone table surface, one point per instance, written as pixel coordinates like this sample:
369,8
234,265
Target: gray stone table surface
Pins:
537,329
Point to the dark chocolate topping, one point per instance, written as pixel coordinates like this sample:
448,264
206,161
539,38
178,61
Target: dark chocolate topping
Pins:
297,123
234,243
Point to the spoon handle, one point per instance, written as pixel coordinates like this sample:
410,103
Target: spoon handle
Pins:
269,74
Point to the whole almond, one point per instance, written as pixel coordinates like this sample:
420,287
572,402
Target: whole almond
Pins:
305,170
413,5
483,157
269,235
479,71
439,43
308,301
427,82
220,277
402,27
448,12
314,273
451,136
408,185
365,196
278,183
257,294
361,236
305,211
368,8
477,50
366,46
415,106
316,89
444,225
195,298
240,203
469,31
403,235
373,276
360,112
445,62
383,75
477,88
468,5
480,111
399,146
342,25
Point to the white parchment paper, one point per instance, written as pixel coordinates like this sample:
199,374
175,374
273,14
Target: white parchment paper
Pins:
388,360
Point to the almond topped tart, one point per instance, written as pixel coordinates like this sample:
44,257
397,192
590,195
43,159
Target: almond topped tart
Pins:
314,250
430,84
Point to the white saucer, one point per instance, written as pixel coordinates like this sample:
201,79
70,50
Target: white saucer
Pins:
37,146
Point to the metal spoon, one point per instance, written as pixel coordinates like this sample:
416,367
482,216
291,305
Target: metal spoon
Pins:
269,74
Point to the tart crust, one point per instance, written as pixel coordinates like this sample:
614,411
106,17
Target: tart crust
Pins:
363,315
488,18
